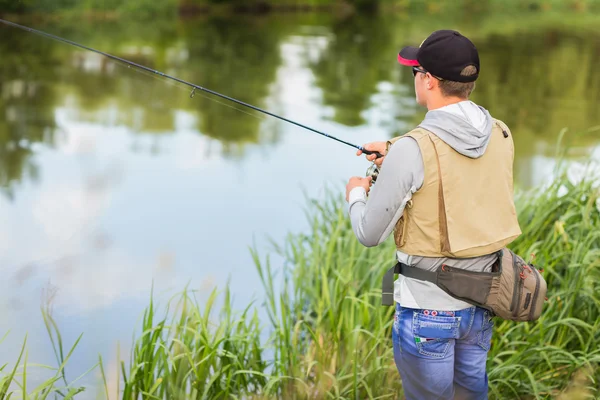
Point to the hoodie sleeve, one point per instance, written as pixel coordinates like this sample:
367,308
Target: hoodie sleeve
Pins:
400,176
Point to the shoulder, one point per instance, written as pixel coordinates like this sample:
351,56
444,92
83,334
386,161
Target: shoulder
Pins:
507,134
404,163
405,149
502,125
401,142
412,136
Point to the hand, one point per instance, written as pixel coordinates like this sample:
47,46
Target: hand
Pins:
357,181
374,146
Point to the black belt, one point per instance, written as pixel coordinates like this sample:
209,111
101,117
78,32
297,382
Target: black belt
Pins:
387,287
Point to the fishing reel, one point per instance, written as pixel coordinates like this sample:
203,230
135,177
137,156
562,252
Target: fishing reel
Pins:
373,172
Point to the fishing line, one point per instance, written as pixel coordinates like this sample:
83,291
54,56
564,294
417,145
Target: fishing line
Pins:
131,63
192,94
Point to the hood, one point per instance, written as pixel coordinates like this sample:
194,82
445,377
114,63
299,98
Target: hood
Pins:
464,126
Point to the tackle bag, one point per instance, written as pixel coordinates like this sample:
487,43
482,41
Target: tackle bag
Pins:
513,290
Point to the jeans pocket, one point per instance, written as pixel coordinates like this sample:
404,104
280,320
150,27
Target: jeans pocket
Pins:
484,336
433,333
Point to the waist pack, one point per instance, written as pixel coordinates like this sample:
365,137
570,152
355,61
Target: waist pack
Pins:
513,290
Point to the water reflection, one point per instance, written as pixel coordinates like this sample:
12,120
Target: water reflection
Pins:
26,101
359,55
529,80
240,60
542,82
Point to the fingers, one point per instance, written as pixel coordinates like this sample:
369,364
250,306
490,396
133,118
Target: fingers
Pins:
376,147
370,183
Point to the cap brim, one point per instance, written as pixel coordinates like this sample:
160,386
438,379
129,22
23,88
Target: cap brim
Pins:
408,56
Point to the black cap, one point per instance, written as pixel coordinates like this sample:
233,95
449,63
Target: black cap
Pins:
444,54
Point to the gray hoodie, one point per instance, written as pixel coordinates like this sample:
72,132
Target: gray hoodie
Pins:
466,127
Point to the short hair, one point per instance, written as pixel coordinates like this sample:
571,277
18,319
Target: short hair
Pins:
459,89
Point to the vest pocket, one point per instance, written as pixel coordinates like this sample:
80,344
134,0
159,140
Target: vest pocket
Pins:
402,227
400,232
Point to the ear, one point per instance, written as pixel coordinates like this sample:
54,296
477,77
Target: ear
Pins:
431,82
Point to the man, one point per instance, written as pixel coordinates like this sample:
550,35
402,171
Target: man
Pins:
446,191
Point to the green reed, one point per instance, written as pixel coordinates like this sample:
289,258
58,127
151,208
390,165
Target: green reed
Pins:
330,333
332,337
329,337
195,354
326,336
561,228
14,383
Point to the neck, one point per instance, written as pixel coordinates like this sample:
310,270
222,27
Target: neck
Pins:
439,102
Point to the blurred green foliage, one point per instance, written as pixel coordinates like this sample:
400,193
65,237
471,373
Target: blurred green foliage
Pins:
538,74
144,9
26,99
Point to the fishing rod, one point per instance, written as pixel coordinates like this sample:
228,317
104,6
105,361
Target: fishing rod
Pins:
194,87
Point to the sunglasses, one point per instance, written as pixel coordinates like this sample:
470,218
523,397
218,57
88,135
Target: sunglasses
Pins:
417,69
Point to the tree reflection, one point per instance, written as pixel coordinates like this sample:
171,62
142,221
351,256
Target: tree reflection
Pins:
239,58
26,105
538,82
359,55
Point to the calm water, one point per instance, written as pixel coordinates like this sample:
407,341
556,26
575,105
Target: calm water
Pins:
112,179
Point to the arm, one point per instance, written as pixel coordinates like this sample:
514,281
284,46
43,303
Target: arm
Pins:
400,176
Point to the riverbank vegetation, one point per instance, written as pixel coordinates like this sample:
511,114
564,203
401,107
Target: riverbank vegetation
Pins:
324,333
148,8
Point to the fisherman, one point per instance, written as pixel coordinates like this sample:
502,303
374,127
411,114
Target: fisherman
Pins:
445,190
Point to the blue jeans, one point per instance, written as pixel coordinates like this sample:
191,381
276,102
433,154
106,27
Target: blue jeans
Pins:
442,354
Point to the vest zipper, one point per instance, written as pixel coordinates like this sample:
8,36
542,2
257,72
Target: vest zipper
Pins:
516,289
520,288
535,293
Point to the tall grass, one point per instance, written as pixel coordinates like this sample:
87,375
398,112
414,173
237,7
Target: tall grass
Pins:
13,381
329,337
195,354
326,335
333,336
561,228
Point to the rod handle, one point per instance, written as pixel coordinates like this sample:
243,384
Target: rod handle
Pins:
369,152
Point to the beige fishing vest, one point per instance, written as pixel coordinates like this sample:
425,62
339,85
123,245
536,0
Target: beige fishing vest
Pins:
465,207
